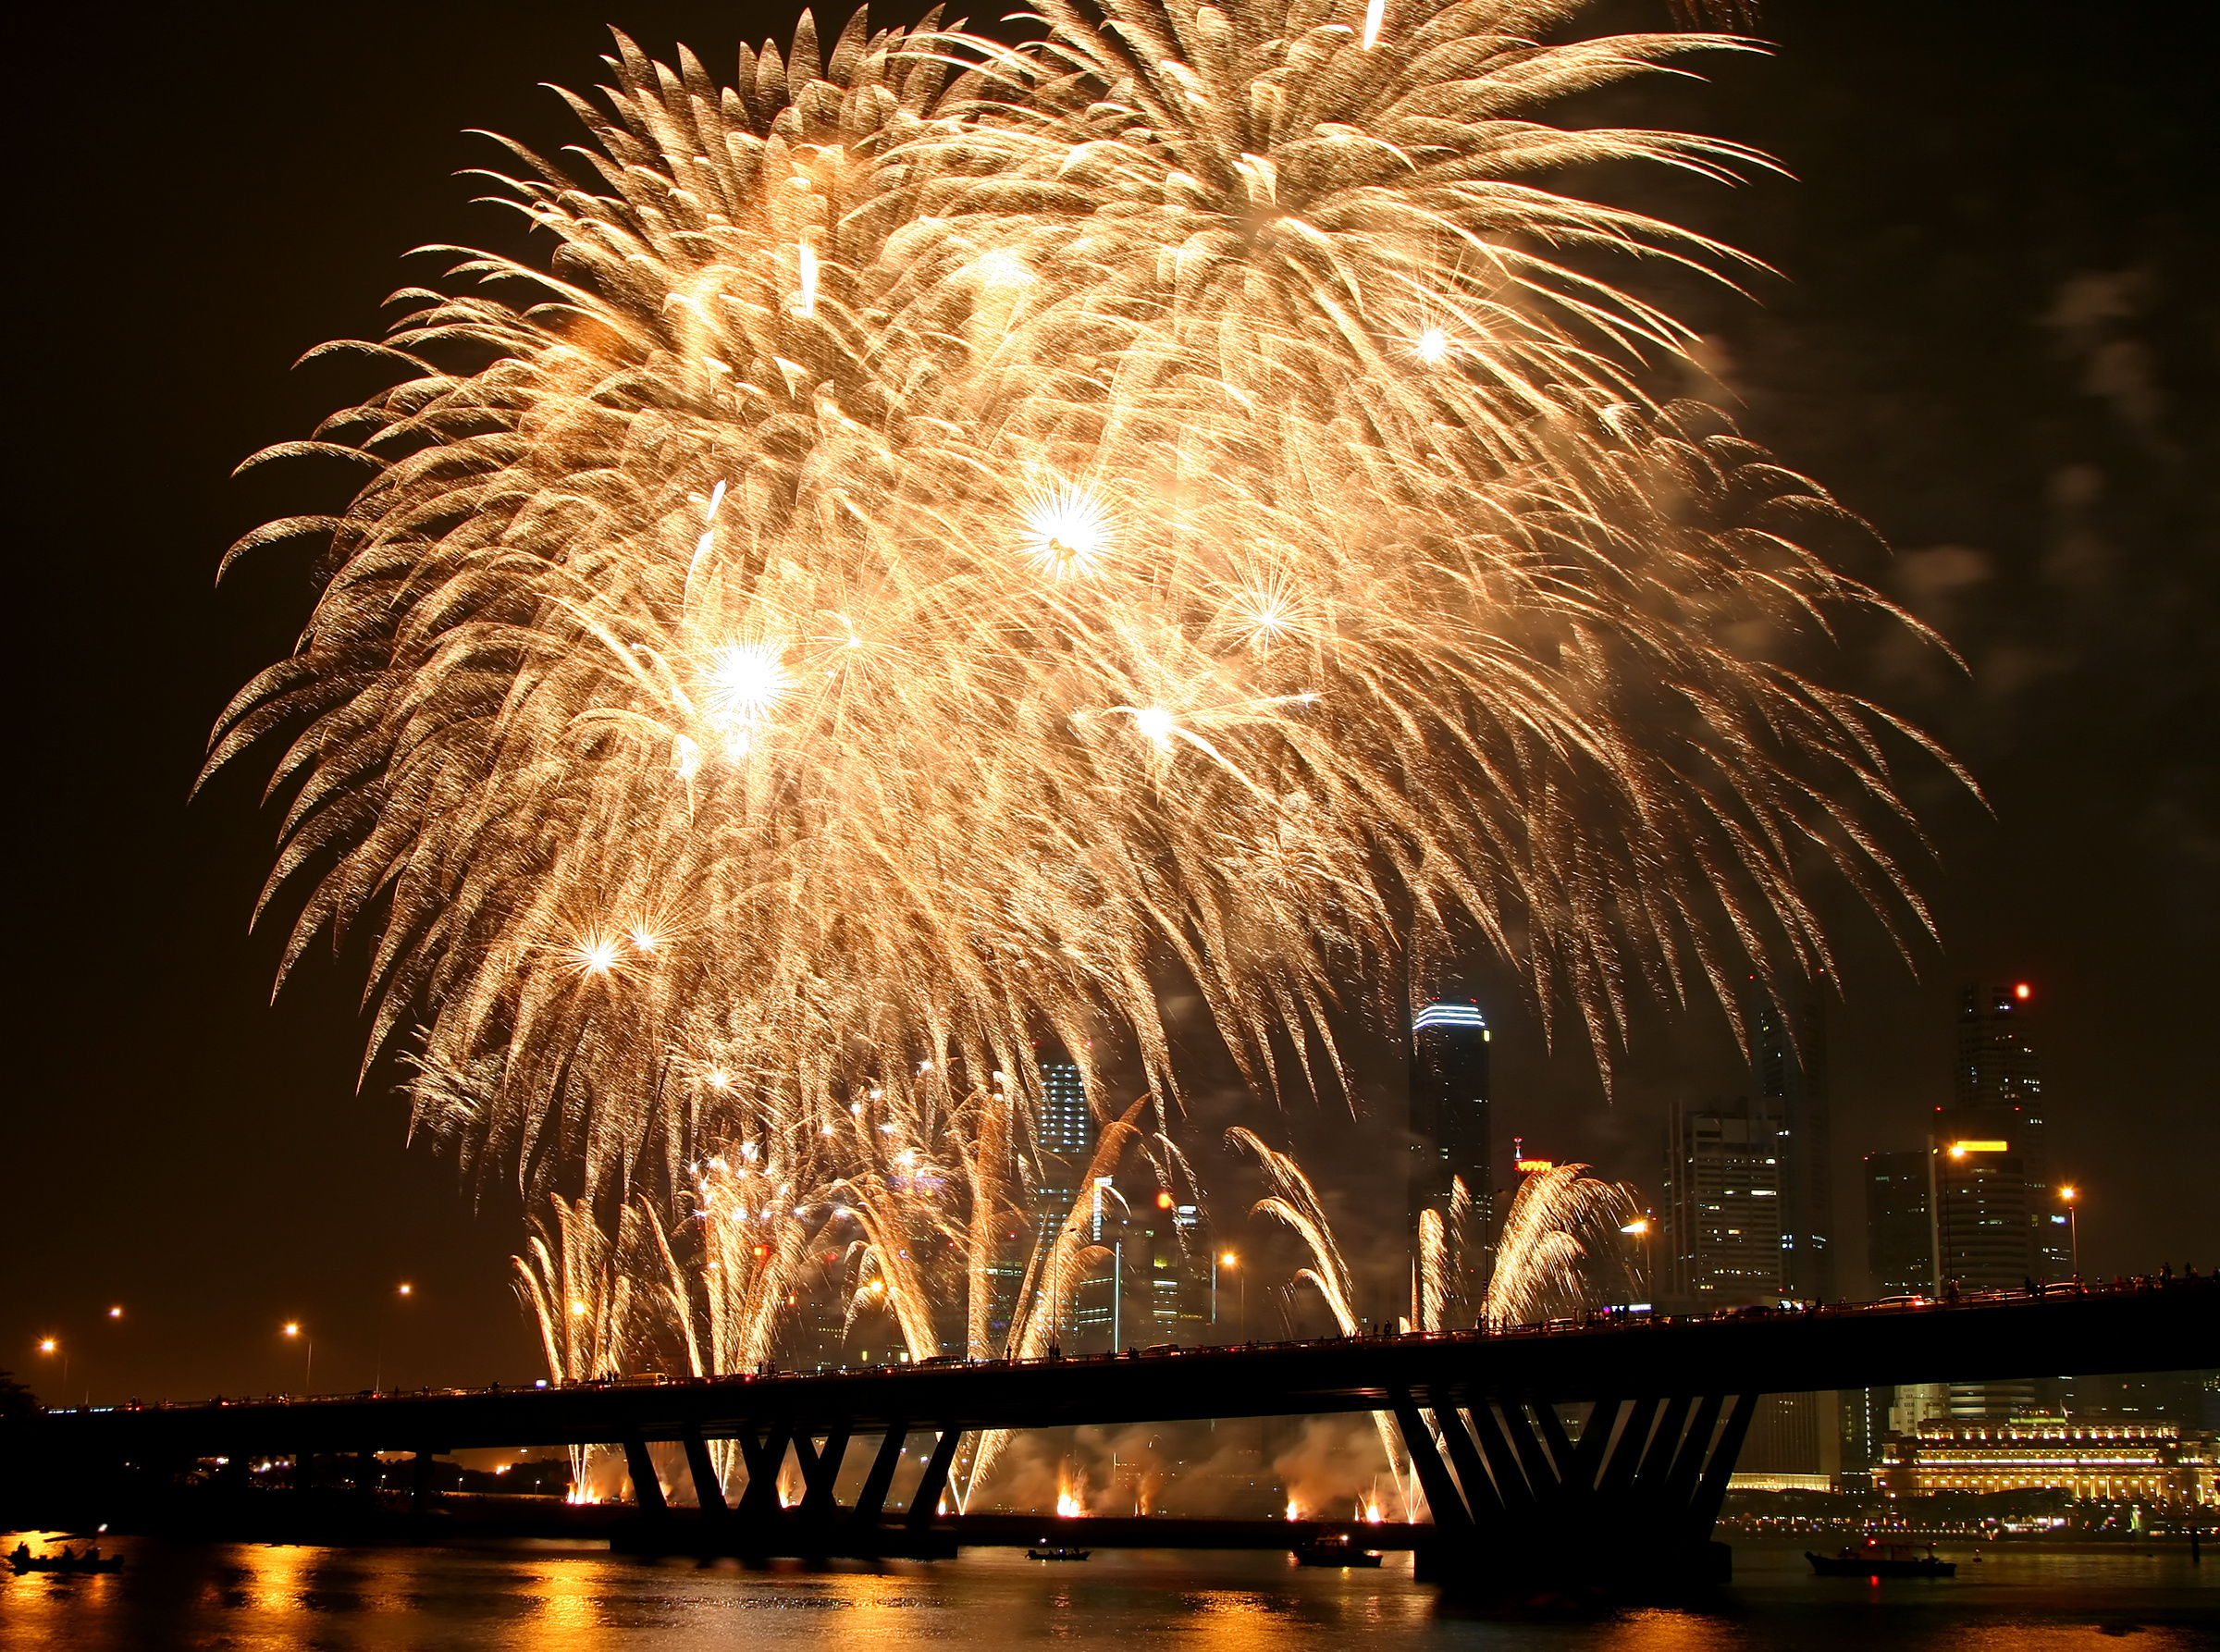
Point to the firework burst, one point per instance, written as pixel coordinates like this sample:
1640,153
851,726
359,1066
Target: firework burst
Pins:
964,533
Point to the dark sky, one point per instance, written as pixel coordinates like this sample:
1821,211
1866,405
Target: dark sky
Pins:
1994,336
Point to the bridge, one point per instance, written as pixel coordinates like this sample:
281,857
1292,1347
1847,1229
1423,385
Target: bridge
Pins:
1626,1491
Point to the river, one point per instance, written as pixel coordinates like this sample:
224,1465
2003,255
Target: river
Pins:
547,1599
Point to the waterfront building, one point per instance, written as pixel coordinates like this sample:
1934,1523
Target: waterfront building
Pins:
1997,1092
1450,1133
1183,1272
1787,1033
1097,1321
1064,1136
2091,1458
1064,1129
1722,1204
1900,1236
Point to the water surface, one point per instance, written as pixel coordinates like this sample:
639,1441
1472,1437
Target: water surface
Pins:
550,1598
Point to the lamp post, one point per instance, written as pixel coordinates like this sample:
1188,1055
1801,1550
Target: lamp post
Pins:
1639,1228
2073,1227
51,1345
1231,1261
308,1365
377,1380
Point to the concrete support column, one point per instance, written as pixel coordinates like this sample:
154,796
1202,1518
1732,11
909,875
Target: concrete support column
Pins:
421,1497
1442,1496
821,1475
646,1490
871,1503
925,1503
707,1492
1711,1491
765,1453
1480,1495
1502,1462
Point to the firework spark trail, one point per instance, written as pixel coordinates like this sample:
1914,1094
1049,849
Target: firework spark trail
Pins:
581,1297
1059,1263
1295,1203
961,533
1561,1219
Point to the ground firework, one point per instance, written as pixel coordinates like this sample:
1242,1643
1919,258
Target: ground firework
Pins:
960,535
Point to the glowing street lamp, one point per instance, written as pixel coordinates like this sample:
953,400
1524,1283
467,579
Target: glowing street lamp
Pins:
292,1329
378,1377
1639,1228
50,1346
2073,1226
1232,1262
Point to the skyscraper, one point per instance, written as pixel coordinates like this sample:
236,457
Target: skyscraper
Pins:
1900,1233
1097,1321
1450,1109
1787,1032
1998,1095
1722,1204
1182,1267
1064,1129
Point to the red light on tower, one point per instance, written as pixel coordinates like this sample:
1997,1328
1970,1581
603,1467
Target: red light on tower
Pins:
2023,991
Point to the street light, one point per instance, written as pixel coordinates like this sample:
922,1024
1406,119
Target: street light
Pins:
1229,1260
2073,1227
385,1325
50,1346
1639,1228
292,1328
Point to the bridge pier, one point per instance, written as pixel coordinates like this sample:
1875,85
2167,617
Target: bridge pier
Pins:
422,1496
646,1490
757,1526
709,1490
1520,1510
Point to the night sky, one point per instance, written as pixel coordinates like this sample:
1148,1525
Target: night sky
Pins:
1993,334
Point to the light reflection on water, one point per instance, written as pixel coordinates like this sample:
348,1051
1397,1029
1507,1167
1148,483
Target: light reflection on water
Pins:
547,1599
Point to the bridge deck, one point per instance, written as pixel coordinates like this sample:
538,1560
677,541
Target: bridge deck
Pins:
2154,1326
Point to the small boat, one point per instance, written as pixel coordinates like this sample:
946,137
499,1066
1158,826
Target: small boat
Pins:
1875,1559
1334,1551
91,1561
1057,1554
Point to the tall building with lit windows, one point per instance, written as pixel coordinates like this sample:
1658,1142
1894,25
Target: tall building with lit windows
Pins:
1064,1132
1900,1228
1450,1137
1786,1027
1064,1129
1722,1204
1998,1094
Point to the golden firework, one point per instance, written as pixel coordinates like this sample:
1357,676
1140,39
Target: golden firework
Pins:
963,535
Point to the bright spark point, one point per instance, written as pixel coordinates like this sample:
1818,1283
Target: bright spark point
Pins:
1156,722
747,682
596,954
806,258
1065,532
1433,346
